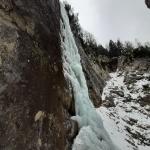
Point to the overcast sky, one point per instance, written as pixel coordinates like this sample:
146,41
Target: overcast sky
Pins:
113,19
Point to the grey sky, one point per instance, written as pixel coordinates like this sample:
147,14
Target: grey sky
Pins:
113,19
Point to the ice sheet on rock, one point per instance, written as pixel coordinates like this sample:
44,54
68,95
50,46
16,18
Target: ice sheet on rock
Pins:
92,135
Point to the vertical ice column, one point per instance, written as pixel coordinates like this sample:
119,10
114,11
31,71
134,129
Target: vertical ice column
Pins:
92,135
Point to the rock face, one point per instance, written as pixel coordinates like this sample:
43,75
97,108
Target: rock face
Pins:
95,81
126,105
34,100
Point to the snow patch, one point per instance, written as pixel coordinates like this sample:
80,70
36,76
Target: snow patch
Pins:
128,118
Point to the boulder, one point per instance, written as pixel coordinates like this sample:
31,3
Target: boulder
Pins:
119,93
145,100
108,103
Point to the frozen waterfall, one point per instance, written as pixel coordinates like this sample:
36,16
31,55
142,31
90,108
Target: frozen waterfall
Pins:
92,135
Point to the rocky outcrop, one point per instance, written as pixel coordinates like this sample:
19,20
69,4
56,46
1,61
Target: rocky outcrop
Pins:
95,75
34,100
126,106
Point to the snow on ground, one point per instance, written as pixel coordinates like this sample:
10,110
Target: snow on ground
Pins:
128,123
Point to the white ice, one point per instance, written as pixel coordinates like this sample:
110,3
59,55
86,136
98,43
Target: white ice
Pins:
92,135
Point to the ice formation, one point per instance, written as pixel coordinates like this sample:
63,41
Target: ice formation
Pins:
92,135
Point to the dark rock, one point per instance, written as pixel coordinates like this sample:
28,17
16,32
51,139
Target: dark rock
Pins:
147,3
128,99
108,103
130,121
6,5
95,82
119,93
146,87
32,85
74,130
113,64
145,100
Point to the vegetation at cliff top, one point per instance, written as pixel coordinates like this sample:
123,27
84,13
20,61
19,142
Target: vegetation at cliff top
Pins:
114,49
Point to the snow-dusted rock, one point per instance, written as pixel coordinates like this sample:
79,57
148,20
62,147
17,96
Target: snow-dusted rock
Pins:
128,122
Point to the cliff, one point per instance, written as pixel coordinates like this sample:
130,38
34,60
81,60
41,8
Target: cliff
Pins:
47,77
34,98
95,74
